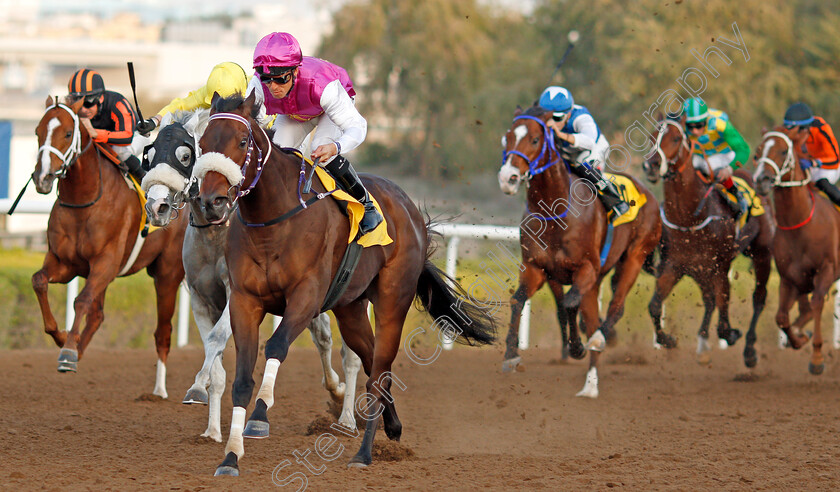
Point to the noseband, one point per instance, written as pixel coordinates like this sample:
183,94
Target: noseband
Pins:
69,156
239,192
787,166
548,147
665,164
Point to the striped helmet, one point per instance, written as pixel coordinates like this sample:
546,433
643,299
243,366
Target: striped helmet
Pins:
695,110
86,82
557,99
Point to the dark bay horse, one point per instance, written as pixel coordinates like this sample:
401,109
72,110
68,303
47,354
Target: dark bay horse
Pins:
564,248
93,233
168,188
286,268
701,239
807,241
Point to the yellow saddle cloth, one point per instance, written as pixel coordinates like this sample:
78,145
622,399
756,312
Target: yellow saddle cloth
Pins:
144,219
630,194
756,208
355,211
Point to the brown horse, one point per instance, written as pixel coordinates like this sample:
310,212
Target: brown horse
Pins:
701,239
282,258
562,248
807,241
92,233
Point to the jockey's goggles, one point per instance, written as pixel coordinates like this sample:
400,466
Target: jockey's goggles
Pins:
267,78
795,127
695,126
91,101
557,116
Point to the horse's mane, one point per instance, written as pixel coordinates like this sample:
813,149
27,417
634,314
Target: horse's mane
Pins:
536,111
232,102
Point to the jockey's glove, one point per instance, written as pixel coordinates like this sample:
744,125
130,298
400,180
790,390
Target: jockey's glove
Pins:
146,127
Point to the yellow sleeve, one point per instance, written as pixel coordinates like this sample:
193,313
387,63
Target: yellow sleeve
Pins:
194,100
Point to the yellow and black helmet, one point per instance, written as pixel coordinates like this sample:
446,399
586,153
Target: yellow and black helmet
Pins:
86,82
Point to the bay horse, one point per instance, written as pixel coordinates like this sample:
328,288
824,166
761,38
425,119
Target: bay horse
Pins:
562,248
701,239
807,241
286,268
93,232
170,161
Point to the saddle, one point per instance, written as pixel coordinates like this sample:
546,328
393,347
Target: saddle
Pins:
145,226
756,208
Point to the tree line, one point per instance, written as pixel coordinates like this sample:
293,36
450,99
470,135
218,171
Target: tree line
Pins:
438,80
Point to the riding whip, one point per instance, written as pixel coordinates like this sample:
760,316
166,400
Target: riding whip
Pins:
20,195
573,38
134,90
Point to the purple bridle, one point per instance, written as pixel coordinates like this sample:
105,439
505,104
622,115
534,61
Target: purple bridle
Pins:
548,146
251,145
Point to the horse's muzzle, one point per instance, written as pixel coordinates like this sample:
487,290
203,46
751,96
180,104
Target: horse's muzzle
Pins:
43,186
159,212
651,171
216,209
764,185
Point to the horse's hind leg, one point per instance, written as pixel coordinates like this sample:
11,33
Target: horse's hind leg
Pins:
351,363
530,281
572,345
788,295
166,289
762,265
806,314
822,284
319,329
51,272
724,330
623,280
707,292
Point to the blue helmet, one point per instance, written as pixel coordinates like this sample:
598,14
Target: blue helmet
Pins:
557,100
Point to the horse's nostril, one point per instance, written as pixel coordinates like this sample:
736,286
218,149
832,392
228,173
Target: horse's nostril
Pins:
513,179
219,201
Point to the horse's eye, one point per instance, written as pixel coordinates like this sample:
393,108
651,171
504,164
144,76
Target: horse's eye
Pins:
183,153
68,134
243,142
676,139
536,140
784,153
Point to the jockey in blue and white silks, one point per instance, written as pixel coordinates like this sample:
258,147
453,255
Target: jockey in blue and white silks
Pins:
582,144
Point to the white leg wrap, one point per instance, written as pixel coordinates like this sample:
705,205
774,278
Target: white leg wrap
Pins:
160,380
237,425
267,387
590,388
351,364
703,345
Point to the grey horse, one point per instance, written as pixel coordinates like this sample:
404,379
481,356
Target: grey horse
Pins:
169,161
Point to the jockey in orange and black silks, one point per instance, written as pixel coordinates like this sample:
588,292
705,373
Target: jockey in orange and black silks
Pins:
583,145
312,94
821,146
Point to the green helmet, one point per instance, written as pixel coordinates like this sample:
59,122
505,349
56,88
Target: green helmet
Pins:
695,110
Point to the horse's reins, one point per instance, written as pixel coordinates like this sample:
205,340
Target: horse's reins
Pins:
533,164
260,165
665,172
787,166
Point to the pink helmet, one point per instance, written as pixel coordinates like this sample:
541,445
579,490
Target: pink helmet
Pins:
278,49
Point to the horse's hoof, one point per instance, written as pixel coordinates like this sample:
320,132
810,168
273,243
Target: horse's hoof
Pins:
564,353
256,429
588,393
510,365
576,350
704,358
196,396
750,357
732,336
67,360
817,369
226,471
359,461
666,340
597,342
612,338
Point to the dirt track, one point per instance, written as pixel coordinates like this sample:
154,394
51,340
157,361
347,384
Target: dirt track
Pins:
662,422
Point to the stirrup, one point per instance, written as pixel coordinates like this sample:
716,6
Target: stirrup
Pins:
620,209
371,219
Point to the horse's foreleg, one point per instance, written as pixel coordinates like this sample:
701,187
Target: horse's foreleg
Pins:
806,314
665,282
762,266
214,336
623,280
530,281
822,285
51,272
585,280
166,290
276,350
319,329
788,294
246,314
589,314
89,310
351,363
707,292
724,329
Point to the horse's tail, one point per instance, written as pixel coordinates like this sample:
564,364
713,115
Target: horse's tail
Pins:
446,301
649,265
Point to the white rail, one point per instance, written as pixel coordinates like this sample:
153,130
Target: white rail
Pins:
452,231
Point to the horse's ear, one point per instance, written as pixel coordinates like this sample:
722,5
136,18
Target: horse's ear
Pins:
763,130
660,116
76,105
215,98
249,102
49,102
517,111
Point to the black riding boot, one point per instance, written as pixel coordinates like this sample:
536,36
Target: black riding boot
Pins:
742,205
346,177
829,189
135,168
607,191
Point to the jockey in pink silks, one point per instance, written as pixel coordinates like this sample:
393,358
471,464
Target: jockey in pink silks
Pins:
308,93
